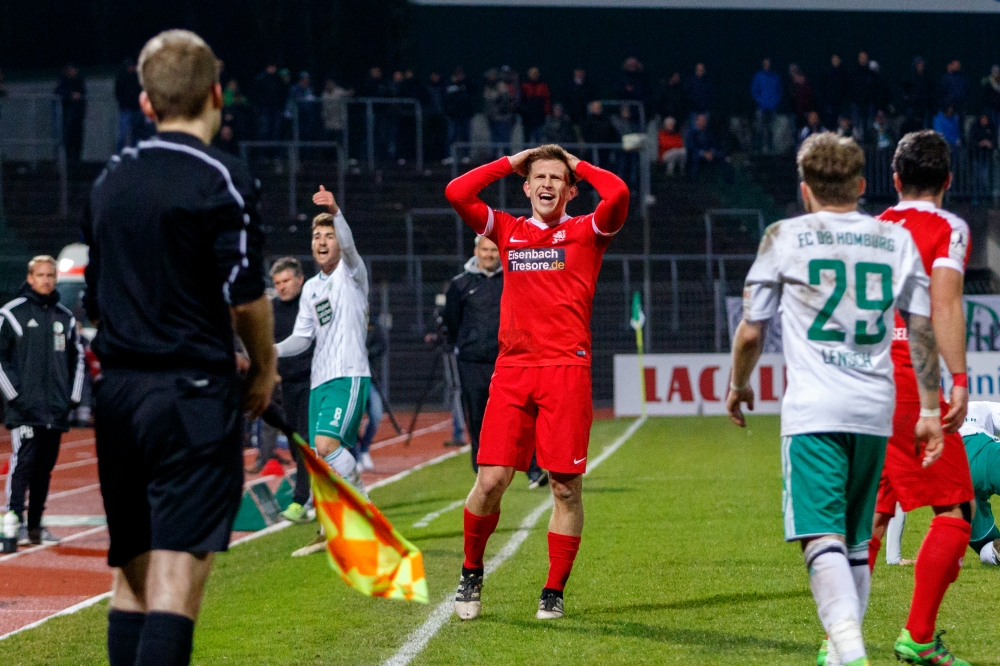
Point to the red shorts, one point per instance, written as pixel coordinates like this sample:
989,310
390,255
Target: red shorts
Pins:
545,410
944,483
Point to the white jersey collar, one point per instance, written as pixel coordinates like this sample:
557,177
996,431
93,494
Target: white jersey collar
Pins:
542,225
919,205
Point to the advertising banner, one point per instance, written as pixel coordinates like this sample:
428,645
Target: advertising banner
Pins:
951,6
693,384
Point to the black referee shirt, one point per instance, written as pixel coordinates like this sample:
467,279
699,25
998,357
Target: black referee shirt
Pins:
175,238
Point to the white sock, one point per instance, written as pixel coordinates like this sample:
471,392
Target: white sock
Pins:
988,555
833,588
863,584
894,537
341,461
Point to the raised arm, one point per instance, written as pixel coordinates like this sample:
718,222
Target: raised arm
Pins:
345,238
463,194
609,217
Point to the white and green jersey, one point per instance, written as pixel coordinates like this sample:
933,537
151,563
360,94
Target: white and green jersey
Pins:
333,311
835,278
982,418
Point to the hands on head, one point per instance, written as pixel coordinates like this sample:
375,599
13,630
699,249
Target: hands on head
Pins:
325,199
518,162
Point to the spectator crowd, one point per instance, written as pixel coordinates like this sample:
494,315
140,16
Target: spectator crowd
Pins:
850,95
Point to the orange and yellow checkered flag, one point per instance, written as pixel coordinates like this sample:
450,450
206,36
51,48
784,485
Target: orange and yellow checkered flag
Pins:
363,546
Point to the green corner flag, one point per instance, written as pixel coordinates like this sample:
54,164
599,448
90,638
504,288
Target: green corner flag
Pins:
637,322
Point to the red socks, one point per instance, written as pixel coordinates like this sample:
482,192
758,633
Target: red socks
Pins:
477,532
562,552
938,564
874,545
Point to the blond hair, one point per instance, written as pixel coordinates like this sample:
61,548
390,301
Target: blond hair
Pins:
832,167
40,259
177,70
550,151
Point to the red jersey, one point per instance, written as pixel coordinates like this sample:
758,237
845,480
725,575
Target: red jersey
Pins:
943,240
550,272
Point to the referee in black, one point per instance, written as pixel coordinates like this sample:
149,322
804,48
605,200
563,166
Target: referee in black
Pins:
176,262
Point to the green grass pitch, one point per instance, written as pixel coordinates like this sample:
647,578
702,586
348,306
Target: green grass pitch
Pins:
682,561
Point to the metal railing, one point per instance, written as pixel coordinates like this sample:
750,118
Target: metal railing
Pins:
669,274
292,150
370,121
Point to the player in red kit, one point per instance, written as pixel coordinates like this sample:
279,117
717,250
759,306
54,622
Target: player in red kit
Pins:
922,175
540,396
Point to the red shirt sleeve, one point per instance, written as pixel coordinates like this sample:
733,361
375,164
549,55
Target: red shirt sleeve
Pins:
613,209
463,194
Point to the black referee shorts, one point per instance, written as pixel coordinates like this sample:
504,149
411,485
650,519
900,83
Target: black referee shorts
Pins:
170,460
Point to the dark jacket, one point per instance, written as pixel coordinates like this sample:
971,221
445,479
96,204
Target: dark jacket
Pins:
175,239
458,101
700,92
297,368
41,361
472,313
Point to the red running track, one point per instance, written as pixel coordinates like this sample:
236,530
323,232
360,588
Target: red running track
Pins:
38,582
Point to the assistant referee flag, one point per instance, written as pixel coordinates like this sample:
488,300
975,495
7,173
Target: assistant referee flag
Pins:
363,546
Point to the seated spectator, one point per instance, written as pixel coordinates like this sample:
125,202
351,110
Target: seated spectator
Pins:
946,124
558,127
704,151
813,126
671,151
845,128
884,138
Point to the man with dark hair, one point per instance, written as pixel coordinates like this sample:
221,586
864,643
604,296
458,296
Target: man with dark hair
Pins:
922,175
170,276
835,274
293,391
41,379
540,396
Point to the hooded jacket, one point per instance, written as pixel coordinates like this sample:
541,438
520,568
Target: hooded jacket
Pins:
41,361
472,313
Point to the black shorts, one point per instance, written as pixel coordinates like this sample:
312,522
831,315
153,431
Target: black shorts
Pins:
169,455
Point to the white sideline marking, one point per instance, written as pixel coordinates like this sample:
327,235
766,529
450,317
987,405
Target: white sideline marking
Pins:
277,527
442,425
66,611
67,445
35,549
74,491
75,463
434,515
65,520
419,639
